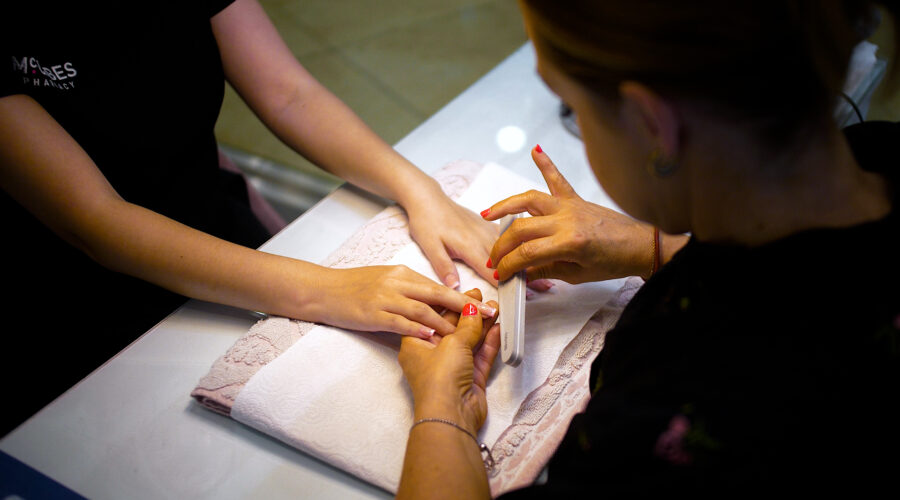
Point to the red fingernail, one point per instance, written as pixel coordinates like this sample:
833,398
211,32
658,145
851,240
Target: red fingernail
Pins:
538,149
470,310
489,263
485,212
496,275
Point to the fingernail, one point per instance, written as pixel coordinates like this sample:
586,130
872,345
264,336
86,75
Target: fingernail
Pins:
538,148
427,332
451,281
489,264
485,212
496,275
470,310
488,310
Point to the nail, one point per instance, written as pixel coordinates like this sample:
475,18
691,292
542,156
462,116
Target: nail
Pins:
489,264
470,310
427,332
538,149
496,275
485,212
488,311
451,281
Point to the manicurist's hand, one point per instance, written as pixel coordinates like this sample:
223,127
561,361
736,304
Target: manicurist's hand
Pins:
387,298
448,380
567,237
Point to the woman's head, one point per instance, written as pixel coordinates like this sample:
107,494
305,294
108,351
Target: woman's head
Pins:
770,70
776,64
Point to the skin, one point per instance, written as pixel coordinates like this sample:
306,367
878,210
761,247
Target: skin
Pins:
728,188
46,171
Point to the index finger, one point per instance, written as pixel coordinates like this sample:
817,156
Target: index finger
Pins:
558,184
440,295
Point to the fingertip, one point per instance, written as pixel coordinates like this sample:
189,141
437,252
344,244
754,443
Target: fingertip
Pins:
451,280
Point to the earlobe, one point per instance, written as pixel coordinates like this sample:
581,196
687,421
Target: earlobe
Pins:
652,117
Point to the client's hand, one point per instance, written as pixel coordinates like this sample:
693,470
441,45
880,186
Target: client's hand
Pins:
445,231
386,298
448,376
567,237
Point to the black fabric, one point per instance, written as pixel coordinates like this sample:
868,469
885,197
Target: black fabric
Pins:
764,369
139,87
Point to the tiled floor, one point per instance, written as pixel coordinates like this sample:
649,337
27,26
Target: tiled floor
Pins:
394,62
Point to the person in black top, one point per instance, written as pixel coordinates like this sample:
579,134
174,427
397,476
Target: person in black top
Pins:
763,352
115,206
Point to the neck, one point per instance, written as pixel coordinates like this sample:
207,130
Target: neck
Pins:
744,199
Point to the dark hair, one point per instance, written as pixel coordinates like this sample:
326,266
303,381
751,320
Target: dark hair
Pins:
778,65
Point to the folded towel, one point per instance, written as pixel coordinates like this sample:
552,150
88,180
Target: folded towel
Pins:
341,396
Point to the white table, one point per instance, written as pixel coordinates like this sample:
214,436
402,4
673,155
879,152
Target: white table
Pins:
131,430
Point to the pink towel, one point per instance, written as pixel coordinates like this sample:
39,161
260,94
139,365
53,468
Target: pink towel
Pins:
525,424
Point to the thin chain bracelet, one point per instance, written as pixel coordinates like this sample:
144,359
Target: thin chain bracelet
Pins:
485,451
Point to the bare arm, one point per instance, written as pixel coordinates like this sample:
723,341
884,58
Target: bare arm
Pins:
310,119
47,172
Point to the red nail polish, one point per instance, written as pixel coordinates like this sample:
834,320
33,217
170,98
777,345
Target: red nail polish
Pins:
470,310
496,275
489,264
485,212
538,149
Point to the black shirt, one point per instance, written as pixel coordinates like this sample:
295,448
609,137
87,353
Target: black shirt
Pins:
139,87
737,370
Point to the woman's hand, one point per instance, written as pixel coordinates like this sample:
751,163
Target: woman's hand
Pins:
445,231
448,375
567,237
386,298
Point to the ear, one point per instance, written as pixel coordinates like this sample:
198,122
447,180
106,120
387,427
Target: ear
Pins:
653,120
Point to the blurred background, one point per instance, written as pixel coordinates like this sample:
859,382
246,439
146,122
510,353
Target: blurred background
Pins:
395,63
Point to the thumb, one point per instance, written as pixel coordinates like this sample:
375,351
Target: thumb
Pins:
468,330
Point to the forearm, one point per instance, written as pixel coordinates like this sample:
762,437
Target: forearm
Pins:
442,462
304,114
328,133
144,244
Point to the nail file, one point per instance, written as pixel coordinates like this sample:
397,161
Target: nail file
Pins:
512,310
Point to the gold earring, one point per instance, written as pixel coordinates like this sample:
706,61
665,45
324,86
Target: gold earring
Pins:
660,165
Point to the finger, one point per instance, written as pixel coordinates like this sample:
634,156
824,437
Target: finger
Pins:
397,323
421,313
521,230
485,355
475,258
469,329
435,294
534,253
558,184
453,317
441,262
533,201
569,272
540,284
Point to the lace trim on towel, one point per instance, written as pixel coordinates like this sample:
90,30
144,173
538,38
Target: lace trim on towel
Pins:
525,447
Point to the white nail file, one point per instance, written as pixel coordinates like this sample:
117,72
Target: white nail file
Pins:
512,310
